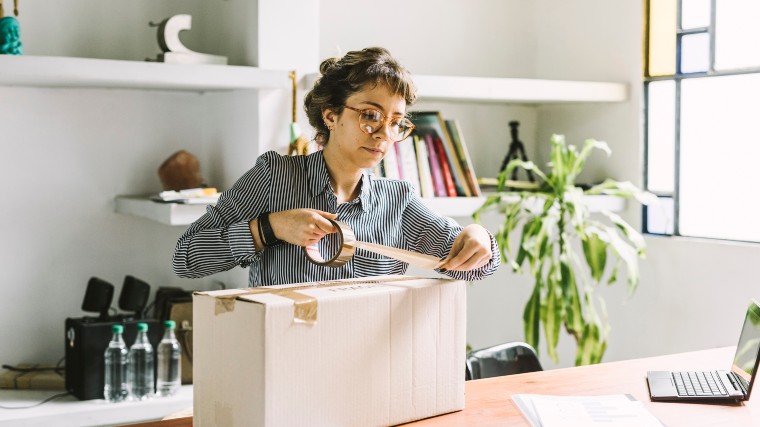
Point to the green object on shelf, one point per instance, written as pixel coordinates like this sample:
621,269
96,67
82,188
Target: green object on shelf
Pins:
10,36
552,222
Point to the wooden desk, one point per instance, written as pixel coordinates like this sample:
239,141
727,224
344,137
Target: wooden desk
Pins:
488,402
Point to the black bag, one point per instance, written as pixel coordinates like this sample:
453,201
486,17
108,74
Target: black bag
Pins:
86,341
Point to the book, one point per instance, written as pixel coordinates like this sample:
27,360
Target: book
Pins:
435,168
423,167
407,157
398,161
432,122
390,164
463,155
448,180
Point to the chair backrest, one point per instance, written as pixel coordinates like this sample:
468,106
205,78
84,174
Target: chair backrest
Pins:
503,359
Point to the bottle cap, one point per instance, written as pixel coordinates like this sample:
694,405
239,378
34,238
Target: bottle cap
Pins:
170,324
142,327
117,329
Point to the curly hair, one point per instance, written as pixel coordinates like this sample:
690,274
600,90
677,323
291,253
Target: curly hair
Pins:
355,71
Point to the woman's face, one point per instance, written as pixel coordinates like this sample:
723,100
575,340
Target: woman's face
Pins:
349,142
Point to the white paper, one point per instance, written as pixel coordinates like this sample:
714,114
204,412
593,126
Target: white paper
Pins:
617,410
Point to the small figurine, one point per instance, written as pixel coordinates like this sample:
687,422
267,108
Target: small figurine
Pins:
10,37
10,33
173,49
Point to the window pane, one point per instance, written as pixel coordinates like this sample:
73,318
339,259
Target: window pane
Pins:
720,148
695,13
695,53
736,34
661,131
662,37
660,216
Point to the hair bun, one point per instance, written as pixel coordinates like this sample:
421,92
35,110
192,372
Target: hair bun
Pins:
327,65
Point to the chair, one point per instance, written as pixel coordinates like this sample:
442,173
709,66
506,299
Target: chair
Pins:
503,359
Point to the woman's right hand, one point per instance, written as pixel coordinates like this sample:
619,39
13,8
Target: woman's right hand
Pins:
302,227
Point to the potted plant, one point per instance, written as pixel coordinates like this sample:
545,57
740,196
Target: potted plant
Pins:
566,250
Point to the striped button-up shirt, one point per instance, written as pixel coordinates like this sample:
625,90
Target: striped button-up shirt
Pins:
386,212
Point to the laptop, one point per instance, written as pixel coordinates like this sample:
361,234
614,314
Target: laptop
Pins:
733,385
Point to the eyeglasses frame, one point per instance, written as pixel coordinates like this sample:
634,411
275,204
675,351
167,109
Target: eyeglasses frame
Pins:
386,120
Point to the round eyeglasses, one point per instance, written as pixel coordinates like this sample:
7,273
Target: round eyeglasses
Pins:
372,120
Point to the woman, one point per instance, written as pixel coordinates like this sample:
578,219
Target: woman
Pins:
284,203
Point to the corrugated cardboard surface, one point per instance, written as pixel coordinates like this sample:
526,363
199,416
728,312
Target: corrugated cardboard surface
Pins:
383,351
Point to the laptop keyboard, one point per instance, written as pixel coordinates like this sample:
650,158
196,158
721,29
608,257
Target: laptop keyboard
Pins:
705,383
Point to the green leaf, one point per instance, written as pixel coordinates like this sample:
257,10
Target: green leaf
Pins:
632,235
587,344
553,317
574,319
595,250
531,317
490,201
629,255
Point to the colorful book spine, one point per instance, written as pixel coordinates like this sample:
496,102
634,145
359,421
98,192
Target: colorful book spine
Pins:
448,179
460,181
435,168
399,160
408,162
390,164
423,167
457,138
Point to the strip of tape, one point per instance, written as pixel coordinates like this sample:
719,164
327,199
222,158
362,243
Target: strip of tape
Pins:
305,306
348,245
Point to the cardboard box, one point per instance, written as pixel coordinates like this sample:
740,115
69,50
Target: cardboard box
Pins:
373,351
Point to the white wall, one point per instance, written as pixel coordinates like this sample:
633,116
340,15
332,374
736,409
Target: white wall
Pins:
68,152
693,292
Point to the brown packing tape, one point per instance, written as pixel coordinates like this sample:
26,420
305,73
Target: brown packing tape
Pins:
349,243
347,247
305,306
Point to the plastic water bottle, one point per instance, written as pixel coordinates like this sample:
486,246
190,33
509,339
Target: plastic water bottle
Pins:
169,379
115,388
141,365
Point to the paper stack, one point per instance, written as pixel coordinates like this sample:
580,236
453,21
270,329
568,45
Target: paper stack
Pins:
618,410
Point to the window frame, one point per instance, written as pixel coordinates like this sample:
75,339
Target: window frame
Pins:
678,77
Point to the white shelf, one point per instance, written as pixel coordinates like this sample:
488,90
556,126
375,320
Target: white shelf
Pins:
513,91
454,206
181,214
165,213
457,207
506,90
68,411
595,203
52,71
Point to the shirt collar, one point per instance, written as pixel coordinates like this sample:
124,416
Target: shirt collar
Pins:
319,179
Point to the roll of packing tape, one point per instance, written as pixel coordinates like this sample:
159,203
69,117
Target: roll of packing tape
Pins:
348,245
346,239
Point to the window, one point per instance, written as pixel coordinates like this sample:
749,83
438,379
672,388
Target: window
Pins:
702,121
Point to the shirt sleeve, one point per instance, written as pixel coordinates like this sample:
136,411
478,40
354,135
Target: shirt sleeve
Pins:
221,239
430,233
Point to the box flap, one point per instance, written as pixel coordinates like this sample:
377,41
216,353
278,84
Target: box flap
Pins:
304,300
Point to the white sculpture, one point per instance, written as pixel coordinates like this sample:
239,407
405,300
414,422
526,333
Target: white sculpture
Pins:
173,49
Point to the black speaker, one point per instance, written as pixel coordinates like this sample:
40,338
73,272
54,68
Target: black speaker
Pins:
98,297
86,342
134,295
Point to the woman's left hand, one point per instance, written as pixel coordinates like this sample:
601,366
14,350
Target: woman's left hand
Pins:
471,250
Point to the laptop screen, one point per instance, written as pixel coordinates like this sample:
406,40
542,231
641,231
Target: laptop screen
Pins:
748,350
